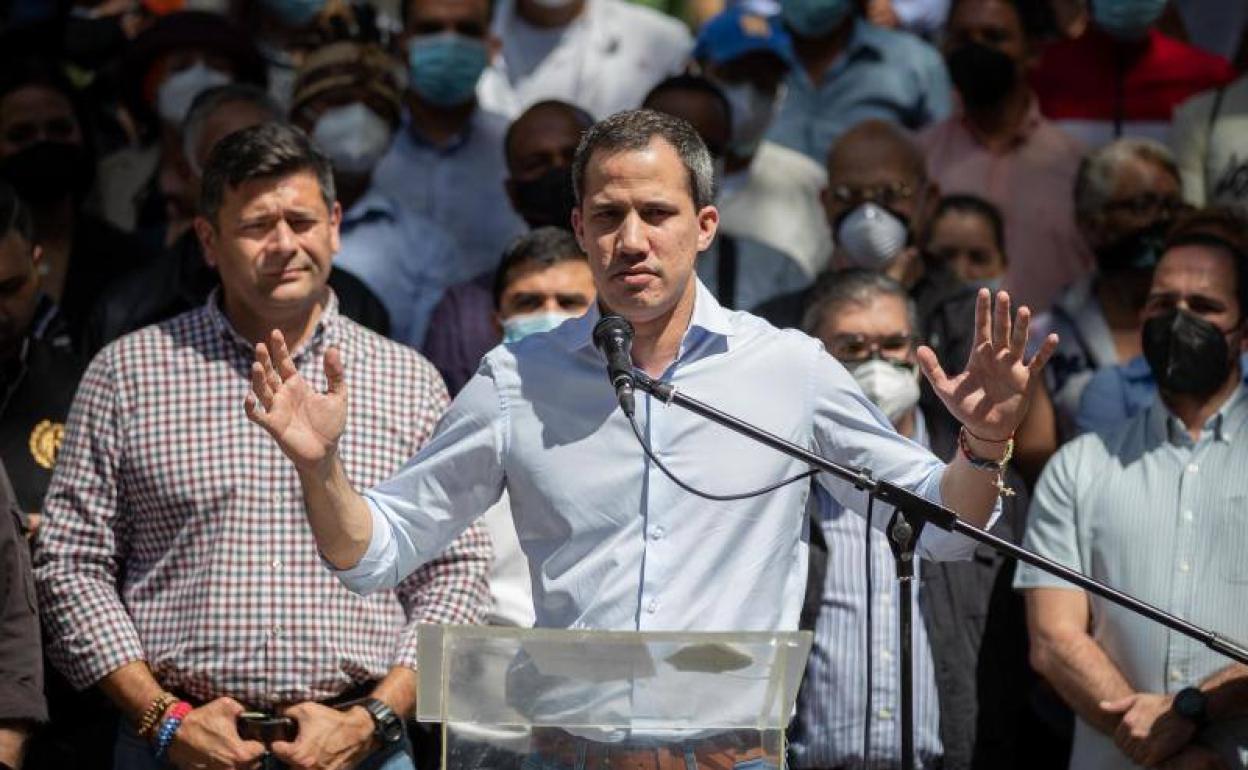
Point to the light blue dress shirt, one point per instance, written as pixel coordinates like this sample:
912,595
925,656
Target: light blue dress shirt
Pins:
1147,510
459,186
1117,393
403,257
611,542
881,74
832,704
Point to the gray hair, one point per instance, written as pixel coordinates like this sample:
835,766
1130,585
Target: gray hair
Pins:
634,130
207,103
854,286
1094,182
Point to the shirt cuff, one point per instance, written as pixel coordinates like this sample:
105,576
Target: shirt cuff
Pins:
940,544
377,569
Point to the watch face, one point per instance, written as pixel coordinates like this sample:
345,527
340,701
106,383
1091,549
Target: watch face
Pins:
392,729
1190,703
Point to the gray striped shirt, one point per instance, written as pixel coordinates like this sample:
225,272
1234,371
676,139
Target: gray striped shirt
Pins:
832,701
1144,509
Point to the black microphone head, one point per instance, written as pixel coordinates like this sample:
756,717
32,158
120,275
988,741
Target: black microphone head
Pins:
612,326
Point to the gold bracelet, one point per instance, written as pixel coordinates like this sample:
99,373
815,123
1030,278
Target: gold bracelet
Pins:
151,717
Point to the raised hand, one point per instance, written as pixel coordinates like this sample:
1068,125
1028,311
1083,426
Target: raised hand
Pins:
306,424
991,396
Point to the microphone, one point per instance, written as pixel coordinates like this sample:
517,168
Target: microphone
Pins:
613,335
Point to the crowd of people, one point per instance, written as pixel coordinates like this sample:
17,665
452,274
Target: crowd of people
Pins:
202,200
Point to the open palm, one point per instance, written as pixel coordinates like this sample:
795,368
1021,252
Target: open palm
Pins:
306,424
991,395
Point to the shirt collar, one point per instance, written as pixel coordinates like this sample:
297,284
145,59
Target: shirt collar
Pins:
327,331
709,317
413,135
1163,425
1030,122
373,203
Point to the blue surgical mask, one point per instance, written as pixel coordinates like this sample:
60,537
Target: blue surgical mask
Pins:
518,327
294,13
1127,19
814,18
444,68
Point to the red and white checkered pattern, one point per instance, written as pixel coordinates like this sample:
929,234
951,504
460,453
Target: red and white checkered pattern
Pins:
175,529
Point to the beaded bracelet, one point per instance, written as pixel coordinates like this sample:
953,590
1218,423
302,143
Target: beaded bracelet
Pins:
169,728
994,466
151,717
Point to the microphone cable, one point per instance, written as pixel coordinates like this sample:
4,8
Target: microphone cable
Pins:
645,446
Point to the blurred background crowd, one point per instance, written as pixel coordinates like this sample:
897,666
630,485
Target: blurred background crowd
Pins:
877,163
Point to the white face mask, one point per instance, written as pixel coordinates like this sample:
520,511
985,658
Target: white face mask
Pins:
752,113
871,236
894,388
353,136
518,327
174,97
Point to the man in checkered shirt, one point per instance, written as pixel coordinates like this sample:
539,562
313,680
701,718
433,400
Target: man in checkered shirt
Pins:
176,555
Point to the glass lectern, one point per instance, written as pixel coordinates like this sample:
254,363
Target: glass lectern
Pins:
504,694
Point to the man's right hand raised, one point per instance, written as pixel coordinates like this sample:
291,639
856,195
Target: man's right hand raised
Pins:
306,424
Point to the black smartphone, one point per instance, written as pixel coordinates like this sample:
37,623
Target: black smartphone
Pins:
266,728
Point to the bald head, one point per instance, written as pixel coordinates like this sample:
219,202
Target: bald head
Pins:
876,150
545,134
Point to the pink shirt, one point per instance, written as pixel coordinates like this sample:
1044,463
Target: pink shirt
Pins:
1032,182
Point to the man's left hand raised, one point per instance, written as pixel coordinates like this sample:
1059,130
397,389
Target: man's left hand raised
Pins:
329,739
990,397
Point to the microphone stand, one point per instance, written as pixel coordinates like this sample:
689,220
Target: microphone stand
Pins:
912,514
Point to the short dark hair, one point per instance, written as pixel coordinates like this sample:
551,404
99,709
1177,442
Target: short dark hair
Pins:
14,215
691,83
579,114
1036,17
965,203
634,130
1219,227
542,247
256,152
854,286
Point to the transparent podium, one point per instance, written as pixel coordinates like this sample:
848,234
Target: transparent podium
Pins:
542,698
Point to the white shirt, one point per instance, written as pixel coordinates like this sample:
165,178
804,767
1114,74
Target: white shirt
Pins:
1212,149
776,202
612,543
606,60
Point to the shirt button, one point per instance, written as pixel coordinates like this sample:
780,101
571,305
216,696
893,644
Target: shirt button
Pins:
886,655
279,498
653,606
277,564
1184,567
884,714
1176,675
277,630
1187,515
1193,468
657,533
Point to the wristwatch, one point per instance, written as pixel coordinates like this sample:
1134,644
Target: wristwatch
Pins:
1192,703
386,724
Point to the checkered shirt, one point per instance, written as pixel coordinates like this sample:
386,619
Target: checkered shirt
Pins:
175,530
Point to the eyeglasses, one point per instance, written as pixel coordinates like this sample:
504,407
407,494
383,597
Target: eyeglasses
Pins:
1147,204
887,195
854,348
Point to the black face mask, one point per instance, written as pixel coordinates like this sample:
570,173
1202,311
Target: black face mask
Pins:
983,75
1139,250
46,172
547,200
92,43
1186,353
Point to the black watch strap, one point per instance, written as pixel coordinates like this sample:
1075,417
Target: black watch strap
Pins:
1192,703
387,725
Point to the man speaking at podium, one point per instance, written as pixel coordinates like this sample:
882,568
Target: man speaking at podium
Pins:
613,543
